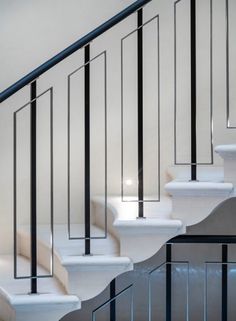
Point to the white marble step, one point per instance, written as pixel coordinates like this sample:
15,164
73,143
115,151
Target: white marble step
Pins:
128,209
139,238
89,275
84,276
204,173
64,246
228,154
226,151
17,305
196,189
148,225
194,201
143,237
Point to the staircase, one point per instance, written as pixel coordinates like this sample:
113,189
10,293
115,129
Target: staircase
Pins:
64,257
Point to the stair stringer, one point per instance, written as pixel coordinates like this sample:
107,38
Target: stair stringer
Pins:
192,202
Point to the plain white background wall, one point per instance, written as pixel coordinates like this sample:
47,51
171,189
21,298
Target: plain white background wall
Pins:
32,32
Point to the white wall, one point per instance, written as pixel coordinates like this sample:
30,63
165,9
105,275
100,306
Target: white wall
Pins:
34,31
46,27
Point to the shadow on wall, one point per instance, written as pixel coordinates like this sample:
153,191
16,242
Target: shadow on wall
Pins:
196,278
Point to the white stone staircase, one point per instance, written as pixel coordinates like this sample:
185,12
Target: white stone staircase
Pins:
129,240
51,303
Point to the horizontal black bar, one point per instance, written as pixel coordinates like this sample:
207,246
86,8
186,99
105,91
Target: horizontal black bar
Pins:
214,239
71,49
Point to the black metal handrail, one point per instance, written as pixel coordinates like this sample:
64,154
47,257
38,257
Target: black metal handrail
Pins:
71,49
203,239
31,79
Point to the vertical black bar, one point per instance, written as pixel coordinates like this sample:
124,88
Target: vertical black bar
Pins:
168,281
113,302
15,193
227,62
193,92
87,147
51,181
140,111
224,282
33,185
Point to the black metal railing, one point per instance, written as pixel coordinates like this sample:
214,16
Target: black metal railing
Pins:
71,49
85,43
194,90
32,109
164,288
32,80
139,194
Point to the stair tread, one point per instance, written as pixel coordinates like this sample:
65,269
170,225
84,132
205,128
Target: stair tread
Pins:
16,291
149,225
99,260
195,188
226,151
128,210
64,246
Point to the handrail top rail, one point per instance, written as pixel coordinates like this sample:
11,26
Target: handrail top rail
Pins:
71,49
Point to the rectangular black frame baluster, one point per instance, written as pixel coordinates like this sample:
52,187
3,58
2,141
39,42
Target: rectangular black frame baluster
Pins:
33,185
193,92
87,148
140,111
168,281
224,282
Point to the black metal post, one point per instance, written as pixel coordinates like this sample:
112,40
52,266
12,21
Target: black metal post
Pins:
193,92
168,281
140,111
113,302
33,185
224,282
87,147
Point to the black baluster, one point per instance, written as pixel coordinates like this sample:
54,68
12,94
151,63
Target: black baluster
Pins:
87,147
33,185
224,282
168,281
140,112
113,302
193,92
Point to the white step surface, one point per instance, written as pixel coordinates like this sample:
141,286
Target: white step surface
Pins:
228,153
64,246
196,189
89,275
84,276
17,305
194,201
128,209
139,238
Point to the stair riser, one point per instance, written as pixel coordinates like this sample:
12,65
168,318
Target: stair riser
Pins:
98,278
230,171
44,255
192,210
39,313
142,247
